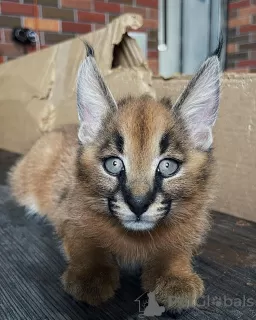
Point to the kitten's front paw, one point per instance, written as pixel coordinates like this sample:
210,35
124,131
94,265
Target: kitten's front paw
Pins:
93,286
179,292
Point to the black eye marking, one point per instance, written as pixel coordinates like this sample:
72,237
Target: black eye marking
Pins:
165,142
119,141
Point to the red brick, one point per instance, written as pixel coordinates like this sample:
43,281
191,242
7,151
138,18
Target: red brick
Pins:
231,47
248,28
153,54
52,37
232,32
153,35
79,4
48,3
238,70
41,24
247,47
97,26
247,11
153,65
247,63
148,3
91,17
8,35
57,13
153,14
237,56
239,4
123,1
107,7
10,49
236,22
151,24
76,27
244,38
141,11
19,9
2,59
31,49
233,13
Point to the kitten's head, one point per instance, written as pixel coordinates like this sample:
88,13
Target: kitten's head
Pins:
142,160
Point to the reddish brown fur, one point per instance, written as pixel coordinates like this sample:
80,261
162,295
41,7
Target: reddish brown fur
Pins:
64,181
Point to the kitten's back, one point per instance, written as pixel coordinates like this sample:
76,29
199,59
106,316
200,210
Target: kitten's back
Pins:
41,177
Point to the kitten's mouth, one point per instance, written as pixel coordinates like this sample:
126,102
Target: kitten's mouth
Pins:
138,225
142,223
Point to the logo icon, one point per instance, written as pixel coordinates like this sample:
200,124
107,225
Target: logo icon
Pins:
149,307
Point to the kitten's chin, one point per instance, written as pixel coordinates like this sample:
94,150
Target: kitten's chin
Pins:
138,225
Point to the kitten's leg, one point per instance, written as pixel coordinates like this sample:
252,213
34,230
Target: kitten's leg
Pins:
92,275
173,281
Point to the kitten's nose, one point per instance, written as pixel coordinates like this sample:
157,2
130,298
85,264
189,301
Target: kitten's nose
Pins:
139,204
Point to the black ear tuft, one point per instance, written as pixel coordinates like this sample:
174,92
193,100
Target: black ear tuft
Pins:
198,105
217,52
94,99
89,49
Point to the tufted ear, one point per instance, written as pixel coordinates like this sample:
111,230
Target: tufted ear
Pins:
94,99
198,104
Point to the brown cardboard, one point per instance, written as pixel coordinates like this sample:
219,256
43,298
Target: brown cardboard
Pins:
37,92
235,141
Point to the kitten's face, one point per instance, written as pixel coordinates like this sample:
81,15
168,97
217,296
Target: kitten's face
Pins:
141,168
141,160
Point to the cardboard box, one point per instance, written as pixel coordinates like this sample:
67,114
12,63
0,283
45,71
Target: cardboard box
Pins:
234,140
38,91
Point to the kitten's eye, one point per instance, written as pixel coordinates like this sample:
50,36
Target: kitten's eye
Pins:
168,167
114,165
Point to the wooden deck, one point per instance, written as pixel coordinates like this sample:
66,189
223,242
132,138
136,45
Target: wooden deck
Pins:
31,264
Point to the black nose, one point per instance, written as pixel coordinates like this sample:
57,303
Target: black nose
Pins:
138,204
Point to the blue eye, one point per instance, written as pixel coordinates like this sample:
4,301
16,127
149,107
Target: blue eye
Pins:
168,167
113,165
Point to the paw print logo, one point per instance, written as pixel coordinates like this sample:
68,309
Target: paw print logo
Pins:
153,308
150,308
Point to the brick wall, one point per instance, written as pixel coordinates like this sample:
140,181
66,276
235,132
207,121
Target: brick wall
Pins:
62,19
241,50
